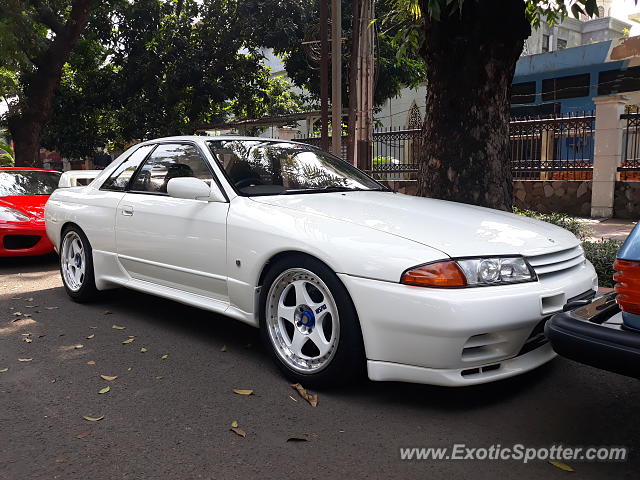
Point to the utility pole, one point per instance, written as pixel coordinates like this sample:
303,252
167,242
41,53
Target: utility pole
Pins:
336,77
364,90
324,75
353,82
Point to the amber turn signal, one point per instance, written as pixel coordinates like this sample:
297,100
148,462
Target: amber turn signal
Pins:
441,274
627,285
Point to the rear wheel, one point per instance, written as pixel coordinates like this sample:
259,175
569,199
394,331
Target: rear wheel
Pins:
76,265
309,323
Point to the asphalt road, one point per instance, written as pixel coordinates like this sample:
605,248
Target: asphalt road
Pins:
170,418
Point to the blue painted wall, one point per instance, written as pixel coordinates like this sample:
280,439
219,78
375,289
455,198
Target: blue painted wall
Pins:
590,59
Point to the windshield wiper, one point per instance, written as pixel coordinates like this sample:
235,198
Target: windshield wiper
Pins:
327,189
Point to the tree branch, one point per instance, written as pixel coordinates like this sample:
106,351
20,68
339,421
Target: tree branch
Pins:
47,17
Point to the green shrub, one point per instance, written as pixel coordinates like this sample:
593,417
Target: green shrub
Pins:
575,226
602,254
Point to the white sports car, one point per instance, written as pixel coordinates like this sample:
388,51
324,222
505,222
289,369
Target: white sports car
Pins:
340,274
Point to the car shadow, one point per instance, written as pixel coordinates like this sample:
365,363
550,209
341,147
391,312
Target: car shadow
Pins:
28,264
221,330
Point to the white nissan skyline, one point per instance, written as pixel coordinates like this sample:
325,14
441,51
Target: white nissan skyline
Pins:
341,275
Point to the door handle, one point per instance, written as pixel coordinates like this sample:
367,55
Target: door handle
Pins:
127,210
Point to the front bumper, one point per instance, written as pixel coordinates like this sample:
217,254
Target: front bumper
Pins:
460,336
605,345
21,240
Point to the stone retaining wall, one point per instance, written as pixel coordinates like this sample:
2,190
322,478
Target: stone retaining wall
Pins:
627,200
572,197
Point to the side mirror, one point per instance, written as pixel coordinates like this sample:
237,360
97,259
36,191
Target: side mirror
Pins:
194,189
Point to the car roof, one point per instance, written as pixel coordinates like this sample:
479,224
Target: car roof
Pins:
22,169
207,138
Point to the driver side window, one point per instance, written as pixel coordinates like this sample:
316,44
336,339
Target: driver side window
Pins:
170,161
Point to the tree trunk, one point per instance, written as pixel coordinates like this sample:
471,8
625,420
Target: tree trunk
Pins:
470,58
353,81
34,108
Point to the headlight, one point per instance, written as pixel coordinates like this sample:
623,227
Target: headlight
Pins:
470,272
12,215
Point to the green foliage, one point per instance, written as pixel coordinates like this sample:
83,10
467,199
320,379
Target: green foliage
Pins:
294,18
154,68
409,16
6,155
602,254
579,229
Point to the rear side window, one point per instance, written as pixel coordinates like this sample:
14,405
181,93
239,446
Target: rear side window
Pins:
120,177
170,161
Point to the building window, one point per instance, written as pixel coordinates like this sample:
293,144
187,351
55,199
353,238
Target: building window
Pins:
545,43
523,93
616,81
561,44
572,86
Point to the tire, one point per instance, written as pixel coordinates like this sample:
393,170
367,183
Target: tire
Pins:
324,316
76,265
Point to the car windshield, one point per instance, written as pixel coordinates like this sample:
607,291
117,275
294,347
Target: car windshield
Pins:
257,167
27,182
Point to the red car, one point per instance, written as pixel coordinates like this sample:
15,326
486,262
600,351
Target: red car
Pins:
23,193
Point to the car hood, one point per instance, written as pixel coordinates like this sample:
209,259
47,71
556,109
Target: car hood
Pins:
456,229
32,205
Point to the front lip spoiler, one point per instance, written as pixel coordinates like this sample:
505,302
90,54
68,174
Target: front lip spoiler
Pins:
615,350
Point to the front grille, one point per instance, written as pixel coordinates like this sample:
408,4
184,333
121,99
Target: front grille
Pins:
19,242
555,262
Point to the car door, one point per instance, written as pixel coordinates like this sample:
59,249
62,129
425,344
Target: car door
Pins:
173,242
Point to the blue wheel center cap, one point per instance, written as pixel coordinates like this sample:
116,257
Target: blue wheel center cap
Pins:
307,318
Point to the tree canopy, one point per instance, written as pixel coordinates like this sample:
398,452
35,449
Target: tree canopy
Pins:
141,69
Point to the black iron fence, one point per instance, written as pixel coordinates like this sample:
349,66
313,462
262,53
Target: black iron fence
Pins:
553,148
549,148
630,163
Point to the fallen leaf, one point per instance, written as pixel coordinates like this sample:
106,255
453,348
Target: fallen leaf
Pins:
93,419
242,392
51,308
129,369
79,346
164,357
91,336
25,334
224,348
143,350
3,370
17,314
293,399
234,424
118,327
104,390
91,362
25,359
30,299
107,312
30,306
238,431
561,466
297,439
108,378
27,339
159,377
128,340
311,398
83,434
